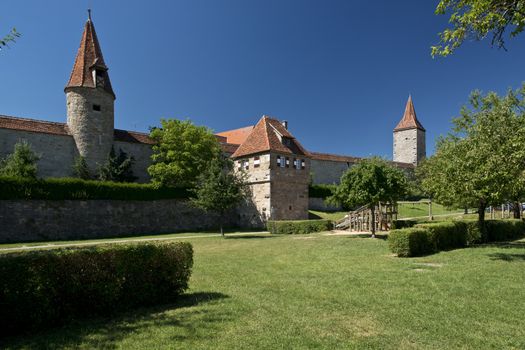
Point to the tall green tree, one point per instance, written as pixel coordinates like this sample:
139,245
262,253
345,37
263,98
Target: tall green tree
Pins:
81,169
181,152
21,163
476,19
369,182
219,188
481,162
117,168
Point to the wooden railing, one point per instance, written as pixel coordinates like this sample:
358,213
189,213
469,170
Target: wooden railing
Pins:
361,218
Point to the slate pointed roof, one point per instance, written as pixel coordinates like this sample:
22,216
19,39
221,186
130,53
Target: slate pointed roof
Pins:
409,120
89,56
269,135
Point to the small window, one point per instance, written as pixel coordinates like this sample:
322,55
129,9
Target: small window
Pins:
303,164
287,162
96,108
239,165
256,162
245,164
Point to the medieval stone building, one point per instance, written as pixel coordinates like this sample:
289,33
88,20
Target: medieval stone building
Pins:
279,169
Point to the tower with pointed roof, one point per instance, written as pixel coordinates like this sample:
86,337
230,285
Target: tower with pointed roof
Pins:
90,100
409,137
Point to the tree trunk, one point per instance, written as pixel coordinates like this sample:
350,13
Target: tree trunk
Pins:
373,219
221,215
516,208
481,218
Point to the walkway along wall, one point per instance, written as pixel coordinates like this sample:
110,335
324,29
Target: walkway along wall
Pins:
39,220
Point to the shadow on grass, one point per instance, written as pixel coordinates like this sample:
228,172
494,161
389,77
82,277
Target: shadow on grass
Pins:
312,216
176,321
507,257
505,245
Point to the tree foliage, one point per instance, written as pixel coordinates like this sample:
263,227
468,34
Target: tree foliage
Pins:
481,162
475,19
9,38
117,168
182,152
81,169
219,188
22,163
369,182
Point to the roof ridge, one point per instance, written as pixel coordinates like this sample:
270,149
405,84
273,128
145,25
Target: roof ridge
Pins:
32,120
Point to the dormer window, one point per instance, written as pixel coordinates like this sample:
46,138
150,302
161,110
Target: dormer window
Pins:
287,141
99,76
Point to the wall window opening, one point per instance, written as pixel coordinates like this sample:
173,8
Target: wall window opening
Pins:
97,108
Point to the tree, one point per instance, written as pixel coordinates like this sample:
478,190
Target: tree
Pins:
475,19
369,182
117,168
81,169
481,162
21,163
219,188
11,37
182,151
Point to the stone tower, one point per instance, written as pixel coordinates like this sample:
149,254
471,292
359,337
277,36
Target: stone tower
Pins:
409,137
90,101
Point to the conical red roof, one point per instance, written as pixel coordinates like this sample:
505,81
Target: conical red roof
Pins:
409,120
89,56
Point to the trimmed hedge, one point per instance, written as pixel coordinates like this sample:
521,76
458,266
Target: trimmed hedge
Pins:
50,287
399,224
298,226
321,191
410,242
78,189
434,237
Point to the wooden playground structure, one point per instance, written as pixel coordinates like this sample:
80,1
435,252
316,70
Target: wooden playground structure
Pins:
360,220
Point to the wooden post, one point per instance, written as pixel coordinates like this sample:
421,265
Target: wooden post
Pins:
503,211
430,210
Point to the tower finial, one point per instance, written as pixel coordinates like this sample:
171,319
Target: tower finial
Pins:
89,14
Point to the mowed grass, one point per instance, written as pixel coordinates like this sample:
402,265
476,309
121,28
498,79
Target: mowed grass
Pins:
322,292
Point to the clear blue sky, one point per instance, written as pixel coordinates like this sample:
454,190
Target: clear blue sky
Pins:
339,71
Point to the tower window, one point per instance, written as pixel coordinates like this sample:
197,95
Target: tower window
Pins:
96,108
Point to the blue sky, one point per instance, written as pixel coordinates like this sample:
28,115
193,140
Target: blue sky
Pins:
339,71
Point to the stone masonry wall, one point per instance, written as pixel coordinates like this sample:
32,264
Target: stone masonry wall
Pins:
409,146
327,171
92,130
142,154
57,152
38,220
289,190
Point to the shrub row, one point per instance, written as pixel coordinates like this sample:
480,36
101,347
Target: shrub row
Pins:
429,238
299,226
46,288
78,189
321,191
399,224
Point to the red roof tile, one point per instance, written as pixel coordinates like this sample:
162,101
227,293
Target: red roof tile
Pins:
237,136
269,135
89,56
229,148
409,120
334,157
46,127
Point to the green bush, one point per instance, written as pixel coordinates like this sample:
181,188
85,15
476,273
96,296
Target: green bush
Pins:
50,287
410,242
446,235
78,189
504,230
299,226
399,224
321,191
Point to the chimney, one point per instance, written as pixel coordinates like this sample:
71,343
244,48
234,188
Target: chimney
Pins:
285,124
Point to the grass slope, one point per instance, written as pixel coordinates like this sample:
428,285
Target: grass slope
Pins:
320,292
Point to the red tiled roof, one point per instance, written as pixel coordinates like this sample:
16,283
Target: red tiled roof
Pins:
237,136
409,120
266,136
229,148
89,55
334,157
55,128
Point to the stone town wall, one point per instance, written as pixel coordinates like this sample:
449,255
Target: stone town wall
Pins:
142,154
38,220
57,152
327,171
409,146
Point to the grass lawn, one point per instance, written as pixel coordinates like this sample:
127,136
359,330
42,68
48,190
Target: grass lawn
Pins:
322,292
